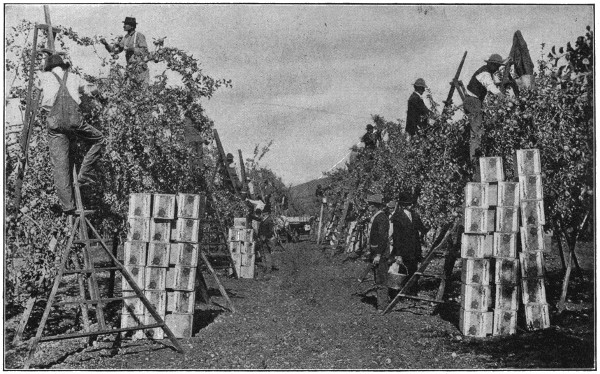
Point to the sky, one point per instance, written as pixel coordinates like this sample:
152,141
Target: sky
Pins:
309,77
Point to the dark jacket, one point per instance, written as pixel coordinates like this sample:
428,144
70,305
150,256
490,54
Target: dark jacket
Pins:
475,86
407,235
416,115
519,54
266,228
370,139
379,237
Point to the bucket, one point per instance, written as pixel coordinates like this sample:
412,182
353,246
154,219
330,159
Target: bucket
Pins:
395,279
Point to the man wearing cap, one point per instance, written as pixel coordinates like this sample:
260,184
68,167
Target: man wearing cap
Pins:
61,95
417,113
136,51
370,138
266,241
379,242
482,82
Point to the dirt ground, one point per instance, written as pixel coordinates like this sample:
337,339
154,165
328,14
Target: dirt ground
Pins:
313,314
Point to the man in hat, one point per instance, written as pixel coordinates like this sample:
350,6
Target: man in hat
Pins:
408,232
483,81
61,95
417,113
266,241
379,242
136,51
370,138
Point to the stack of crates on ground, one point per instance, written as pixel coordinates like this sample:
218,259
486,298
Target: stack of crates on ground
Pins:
242,248
528,169
161,253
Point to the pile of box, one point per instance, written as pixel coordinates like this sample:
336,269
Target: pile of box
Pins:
242,248
161,253
490,266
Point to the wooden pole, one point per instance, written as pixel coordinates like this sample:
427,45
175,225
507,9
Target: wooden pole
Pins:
323,202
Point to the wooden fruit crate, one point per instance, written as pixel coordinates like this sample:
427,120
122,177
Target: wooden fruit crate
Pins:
505,322
247,248
247,259
533,291
158,254
139,229
507,297
476,324
532,238
181,325
184,254
527,161
138,273
239,222
476,195
492,169
186,230
532,213
163,206
132,306
160,230
492,194
531,187
476,270
505,245
181,278
508,194
246,272
156,333
131,320
506,271
134,253
158,299
532,264
479,221
181,301
476,297
188,206
537,316
507,219
240,235
155,279
476,245
140,205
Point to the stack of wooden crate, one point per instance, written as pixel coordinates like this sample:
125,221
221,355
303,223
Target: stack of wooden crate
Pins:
161,252
528,169
242,248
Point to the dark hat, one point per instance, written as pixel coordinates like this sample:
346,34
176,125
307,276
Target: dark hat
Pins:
130,21
405,198
53,61
370,127
496,59
258,211
375,199
229,156
420,83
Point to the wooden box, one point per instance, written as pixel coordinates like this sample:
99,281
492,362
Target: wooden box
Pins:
476,270
246,272
507,297
507,219
537,316
156,333
533,291
155,279
530,187
476,246
158,299
185,254
476,297
139,229
163,206
160,230
492,194
506,271
131,320
181,278
476,195
236,247
137,273
181,325
505,322
247,259
239,222
188,206
508,194
158,254
479,221
505,245
532,213
132,306
134,253
532,238
139,205
527,161
186,230
532,264
491,169
180,301
477,324
247,248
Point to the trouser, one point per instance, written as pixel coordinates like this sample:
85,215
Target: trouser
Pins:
58,142
266,253
383,297
412,265
474,110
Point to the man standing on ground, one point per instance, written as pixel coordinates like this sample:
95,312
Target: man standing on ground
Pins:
417,113
482,82
61,95
379,242
266,242
136,52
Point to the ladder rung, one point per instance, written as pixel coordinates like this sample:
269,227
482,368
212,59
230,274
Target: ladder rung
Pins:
94,270
424,299
103,301
104,332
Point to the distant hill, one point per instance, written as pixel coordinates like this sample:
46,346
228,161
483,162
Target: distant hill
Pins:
302,197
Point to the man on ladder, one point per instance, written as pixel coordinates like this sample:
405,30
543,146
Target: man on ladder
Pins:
61,96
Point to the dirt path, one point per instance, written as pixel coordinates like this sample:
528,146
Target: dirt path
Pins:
311,315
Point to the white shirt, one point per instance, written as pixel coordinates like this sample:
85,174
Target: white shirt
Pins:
488,82
48,84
